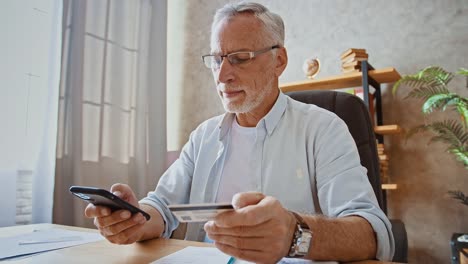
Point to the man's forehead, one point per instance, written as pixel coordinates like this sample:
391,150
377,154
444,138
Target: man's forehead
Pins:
228,46
237,33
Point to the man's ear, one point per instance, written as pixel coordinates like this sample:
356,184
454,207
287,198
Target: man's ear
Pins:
281,61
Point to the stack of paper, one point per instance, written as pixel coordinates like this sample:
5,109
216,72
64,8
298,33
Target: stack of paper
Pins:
43,240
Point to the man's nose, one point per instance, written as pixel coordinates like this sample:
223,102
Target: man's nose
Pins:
225,72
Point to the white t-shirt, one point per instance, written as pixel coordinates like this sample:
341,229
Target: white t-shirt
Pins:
236,176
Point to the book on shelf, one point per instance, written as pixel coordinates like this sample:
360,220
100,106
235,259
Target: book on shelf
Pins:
384,160
383,156
355,57
351,69
351,64
383,163
352,50
380,148
351,60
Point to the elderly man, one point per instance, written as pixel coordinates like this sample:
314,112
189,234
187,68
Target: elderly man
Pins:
291,170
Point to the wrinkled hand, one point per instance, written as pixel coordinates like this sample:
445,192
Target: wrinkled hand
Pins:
258,230
119,227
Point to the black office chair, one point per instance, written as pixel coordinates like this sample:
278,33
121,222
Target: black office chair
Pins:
354,112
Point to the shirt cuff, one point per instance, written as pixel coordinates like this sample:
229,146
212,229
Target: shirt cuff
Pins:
384,235
170,223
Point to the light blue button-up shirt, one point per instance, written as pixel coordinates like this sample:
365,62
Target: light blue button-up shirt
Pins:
304,156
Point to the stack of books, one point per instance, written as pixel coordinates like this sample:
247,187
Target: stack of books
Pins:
383,162
351,60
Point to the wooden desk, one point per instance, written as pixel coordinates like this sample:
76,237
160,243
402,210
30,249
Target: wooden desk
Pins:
106,252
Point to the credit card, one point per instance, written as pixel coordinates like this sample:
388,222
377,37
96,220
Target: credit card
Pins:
193,213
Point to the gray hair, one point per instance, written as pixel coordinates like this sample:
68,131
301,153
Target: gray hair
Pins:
273,23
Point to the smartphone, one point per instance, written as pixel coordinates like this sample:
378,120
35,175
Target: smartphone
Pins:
103,197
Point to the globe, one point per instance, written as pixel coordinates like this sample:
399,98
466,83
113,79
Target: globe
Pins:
311,67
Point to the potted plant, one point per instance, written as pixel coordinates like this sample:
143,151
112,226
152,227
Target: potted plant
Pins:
431,86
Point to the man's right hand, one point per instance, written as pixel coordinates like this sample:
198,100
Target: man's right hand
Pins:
119,227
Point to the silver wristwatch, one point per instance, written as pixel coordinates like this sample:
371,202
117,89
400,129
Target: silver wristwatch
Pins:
301,240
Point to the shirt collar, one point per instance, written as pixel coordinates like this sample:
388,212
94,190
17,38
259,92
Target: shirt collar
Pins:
270,120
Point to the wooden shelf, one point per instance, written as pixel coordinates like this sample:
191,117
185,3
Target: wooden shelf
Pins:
347,80
389,186
387,129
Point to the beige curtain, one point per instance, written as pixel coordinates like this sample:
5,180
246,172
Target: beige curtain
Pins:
112,107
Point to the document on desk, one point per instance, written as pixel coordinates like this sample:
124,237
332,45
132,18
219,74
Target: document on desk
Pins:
43,240
203,255
194,255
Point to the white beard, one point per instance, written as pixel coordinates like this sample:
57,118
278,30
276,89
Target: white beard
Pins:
249,103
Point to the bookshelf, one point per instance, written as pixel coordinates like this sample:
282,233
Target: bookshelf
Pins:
354,79
368,76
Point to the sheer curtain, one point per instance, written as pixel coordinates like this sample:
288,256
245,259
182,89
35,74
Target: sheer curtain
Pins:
112,106
29,84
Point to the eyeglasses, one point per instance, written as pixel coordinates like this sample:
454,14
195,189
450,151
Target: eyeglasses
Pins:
235,58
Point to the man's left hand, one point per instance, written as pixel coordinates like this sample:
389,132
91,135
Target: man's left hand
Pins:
258,230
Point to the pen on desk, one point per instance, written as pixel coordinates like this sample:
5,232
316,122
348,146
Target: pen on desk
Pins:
231,260
52,240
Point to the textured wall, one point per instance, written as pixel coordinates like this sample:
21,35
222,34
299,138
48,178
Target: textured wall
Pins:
407,35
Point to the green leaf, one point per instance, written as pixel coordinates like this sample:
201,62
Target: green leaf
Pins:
438,101
426,90
461,156
415,130
449,132
437,73
431,85
442,101
463,110
429,81
459,196
462,71
413,81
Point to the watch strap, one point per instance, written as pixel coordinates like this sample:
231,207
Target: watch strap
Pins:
301,227
300,220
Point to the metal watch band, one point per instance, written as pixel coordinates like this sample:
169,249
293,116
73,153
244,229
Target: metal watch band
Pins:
302,235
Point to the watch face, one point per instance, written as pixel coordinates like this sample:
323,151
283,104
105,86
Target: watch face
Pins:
303,248
304,243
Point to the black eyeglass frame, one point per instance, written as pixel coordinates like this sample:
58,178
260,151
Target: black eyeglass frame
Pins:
209,58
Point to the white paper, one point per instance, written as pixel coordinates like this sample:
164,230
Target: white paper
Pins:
44,240
204,255
304,261
194,255
292,261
